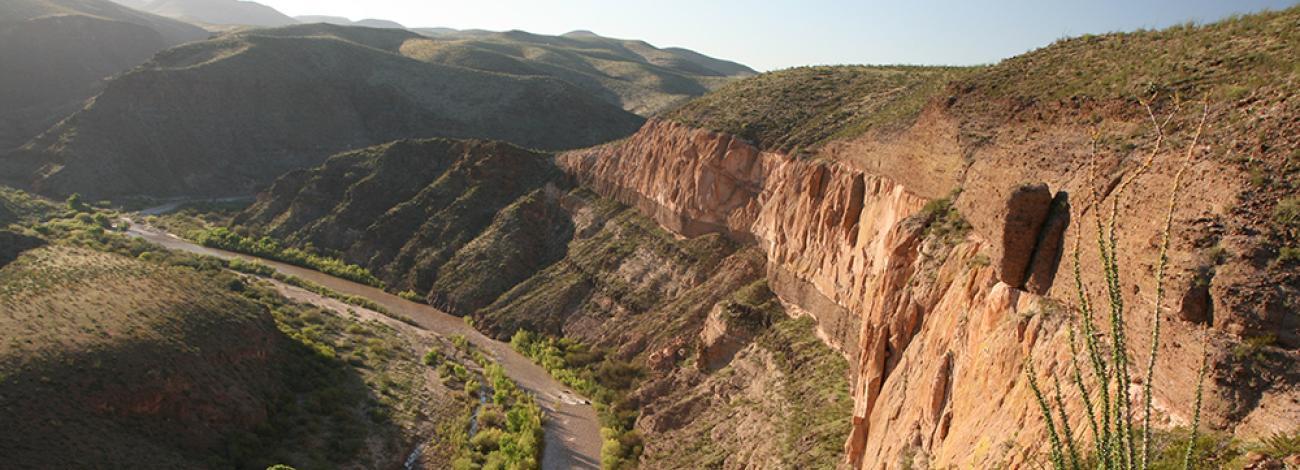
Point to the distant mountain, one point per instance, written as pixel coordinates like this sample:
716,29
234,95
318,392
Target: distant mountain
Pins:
633,74
55,53
215,12
341,21
227,115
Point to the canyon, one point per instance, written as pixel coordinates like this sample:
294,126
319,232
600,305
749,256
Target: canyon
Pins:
865,267
936,326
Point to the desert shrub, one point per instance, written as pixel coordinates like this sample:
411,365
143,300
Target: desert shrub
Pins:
1279,444
432,358
1118,441
269,248
486,440
410,295
604,380
76,203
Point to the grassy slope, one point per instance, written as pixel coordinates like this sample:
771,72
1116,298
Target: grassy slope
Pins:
629,287
1246,67
797,417
78,41
632,74
130,359
317,90
86,330
796,110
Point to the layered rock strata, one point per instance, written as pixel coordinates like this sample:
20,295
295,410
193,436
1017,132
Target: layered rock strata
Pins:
937,322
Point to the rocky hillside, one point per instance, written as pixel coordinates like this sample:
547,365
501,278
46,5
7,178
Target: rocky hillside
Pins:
224,116
927,241
797,110
632,74
55,54
498,233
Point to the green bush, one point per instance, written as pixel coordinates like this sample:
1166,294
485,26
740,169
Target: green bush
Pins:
432,358
486,440
269,248
603,380
76,203
507,440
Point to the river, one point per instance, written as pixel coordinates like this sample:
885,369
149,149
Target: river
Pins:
572,428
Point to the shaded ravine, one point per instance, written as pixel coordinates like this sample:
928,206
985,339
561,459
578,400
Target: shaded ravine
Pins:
572,428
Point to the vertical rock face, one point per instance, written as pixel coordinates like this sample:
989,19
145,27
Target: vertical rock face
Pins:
937,330
842,247
690,181
830,236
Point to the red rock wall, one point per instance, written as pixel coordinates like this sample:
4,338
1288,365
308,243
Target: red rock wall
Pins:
936,341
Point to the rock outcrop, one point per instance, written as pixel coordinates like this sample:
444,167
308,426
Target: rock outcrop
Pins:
723,178
937,323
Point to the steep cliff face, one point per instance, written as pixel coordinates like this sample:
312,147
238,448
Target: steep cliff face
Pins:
691,182
499,234
936,316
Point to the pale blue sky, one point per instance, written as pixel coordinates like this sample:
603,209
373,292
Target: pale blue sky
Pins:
782,33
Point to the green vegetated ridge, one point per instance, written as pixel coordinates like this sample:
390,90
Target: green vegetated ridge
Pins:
119,352
497,233
457,222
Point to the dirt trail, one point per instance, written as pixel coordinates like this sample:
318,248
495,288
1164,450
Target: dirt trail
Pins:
572,428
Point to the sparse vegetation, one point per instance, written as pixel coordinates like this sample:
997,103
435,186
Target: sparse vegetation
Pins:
320,410
1117,441
943,222
604,380
797,110
269,248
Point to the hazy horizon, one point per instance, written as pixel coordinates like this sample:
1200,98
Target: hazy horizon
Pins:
781,34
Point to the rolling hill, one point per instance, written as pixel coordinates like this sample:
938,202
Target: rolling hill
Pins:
341,21
122,354
632,74
224,116
55,54
214,12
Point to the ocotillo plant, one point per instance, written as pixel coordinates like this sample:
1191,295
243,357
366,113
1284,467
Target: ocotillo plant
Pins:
1109,413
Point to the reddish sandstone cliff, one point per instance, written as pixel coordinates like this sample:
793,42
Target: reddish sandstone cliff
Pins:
937,326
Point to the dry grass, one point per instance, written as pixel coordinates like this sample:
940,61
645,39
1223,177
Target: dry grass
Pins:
797,110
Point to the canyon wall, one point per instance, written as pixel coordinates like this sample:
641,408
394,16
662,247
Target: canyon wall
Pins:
936,316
